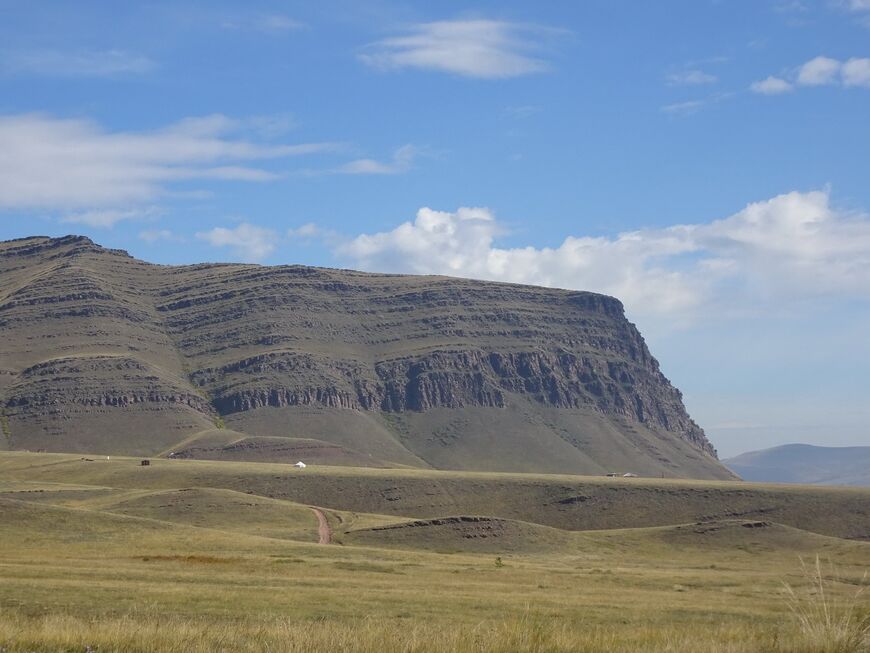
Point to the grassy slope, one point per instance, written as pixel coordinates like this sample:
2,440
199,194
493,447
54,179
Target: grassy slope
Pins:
565,502
160,566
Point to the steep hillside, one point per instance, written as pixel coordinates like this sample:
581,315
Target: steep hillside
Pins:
106,354
804,463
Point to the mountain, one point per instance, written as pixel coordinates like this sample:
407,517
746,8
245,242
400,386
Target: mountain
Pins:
103,353
805,463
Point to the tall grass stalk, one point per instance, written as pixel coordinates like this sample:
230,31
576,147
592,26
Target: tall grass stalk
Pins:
826,625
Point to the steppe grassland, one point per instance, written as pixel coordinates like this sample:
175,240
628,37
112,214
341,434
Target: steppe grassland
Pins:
74,575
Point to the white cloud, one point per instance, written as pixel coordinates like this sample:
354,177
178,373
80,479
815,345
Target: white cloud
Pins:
857,5
790,247
684,108
70,164
157,235
691,78
772,86
856,72
278,22
307,230
247,241
819,71
402,161
264,23
523,111
92,63
791,6
108,217
487,49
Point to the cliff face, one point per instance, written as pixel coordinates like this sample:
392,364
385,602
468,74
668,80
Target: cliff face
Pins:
102,350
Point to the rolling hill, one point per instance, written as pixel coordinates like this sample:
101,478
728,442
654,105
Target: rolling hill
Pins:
804,463
103,353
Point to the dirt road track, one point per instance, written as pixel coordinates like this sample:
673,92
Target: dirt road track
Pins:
323,529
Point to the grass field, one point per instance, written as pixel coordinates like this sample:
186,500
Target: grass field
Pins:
196,556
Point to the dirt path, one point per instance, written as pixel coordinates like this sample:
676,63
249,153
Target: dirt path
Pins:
323,529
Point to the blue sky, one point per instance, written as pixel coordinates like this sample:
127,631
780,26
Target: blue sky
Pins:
705,161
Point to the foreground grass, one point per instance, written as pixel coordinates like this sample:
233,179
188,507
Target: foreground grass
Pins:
91,566
524,634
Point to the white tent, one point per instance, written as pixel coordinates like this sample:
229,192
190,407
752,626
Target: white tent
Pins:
300,465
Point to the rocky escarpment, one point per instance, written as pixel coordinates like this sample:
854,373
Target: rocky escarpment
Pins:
457,379
337,355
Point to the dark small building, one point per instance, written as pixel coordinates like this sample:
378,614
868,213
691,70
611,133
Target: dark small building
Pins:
145,463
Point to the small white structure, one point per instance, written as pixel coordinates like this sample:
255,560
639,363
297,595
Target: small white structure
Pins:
300,465
629,475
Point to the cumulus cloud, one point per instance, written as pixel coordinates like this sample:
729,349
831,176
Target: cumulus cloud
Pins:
89,63
70,164
792,246
820,71
856,72
248,242
487,49
772,86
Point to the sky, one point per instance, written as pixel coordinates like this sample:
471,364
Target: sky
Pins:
706,161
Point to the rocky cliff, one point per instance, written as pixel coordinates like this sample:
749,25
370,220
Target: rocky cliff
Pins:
104,353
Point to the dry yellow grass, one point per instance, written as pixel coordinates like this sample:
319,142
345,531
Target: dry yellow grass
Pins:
132,569
527,633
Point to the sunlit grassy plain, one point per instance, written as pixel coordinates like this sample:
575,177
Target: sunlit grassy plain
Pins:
99,560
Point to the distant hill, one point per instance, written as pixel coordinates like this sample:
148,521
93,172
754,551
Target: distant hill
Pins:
804,463
103,353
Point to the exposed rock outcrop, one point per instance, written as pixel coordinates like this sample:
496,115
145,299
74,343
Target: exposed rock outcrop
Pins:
91,328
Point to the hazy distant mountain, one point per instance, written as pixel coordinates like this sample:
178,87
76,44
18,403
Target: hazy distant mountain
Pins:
804,463
103,353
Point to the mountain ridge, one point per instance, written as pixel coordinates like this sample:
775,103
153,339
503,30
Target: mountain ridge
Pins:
420,370
805,463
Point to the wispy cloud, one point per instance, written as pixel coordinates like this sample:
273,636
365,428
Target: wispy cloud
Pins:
109,217
81,63
76,165
522,111
790,247
274,23
152,236
791,6
248,242
691,78
401,161
860,8
486,49
856,6
684,108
